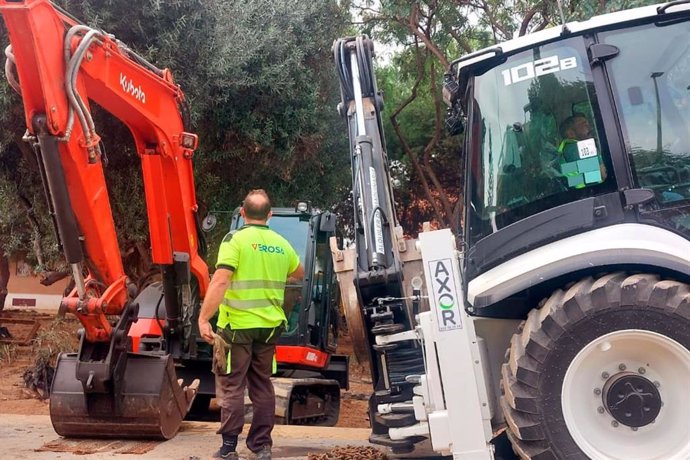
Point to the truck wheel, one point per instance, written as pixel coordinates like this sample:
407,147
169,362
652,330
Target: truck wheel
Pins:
602,371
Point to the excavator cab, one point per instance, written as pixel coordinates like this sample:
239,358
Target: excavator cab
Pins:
309,374
311,305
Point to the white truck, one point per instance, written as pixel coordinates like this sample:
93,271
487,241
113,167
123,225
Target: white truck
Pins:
574,257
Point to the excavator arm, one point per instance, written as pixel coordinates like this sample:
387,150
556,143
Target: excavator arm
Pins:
58,66
376,277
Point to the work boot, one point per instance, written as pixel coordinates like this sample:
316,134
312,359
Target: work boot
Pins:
231,455
264,453
227,449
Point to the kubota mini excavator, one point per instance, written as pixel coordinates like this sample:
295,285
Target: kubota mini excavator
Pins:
123,381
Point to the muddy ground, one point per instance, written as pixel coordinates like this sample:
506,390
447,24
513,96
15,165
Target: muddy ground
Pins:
56,335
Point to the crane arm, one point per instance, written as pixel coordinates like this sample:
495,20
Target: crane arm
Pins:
58,65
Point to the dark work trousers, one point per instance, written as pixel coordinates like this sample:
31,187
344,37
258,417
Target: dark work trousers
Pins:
250,357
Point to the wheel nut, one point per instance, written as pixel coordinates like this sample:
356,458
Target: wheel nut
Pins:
604,375
622,367
600,410
642,370
634,428
614,424
597,391
657,384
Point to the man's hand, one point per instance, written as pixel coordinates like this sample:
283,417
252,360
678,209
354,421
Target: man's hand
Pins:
206,331
214,295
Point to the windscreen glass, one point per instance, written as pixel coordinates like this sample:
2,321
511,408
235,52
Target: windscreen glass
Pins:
534,136
651,83
295,229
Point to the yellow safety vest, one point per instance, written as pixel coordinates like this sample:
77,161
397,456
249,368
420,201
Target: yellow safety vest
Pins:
261,260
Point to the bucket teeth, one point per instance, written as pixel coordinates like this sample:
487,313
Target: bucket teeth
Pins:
190,391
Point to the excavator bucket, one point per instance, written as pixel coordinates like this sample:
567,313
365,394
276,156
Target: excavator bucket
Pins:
150,402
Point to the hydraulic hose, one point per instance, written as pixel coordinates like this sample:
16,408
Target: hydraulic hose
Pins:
67,52
10,68
72,72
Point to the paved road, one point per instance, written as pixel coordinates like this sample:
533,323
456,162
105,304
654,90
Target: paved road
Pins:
32,437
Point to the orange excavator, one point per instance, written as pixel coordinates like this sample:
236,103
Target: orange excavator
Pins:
123,381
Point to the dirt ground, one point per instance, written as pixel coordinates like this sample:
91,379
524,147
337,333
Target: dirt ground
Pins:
55,335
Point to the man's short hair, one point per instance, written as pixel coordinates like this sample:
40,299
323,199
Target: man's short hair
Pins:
257,205
569,123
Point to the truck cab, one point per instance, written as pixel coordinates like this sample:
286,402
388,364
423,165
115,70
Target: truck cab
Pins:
624,80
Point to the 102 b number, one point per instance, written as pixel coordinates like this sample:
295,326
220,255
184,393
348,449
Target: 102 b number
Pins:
537,68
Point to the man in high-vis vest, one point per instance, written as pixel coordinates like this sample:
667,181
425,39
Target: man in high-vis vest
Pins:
580,160
248,288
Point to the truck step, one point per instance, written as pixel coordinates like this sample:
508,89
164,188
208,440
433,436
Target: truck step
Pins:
396,420
399,446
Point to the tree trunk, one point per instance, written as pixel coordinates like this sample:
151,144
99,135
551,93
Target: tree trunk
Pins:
4,279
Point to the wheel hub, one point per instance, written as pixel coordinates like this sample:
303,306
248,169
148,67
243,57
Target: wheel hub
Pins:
632,399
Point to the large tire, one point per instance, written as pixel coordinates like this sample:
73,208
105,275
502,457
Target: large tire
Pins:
551,345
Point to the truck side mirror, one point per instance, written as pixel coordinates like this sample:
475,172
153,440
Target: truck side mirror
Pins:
327,222
209,222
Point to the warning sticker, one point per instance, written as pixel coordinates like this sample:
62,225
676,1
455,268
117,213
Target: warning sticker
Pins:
587,148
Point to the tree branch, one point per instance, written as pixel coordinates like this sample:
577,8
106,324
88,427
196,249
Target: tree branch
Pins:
412,24
431,146
403,141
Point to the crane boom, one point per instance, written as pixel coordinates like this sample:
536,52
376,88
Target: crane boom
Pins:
375,276
58,65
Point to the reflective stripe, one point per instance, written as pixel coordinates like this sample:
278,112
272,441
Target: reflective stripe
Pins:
228,367
257,284
253,303
271,336
274,367
564,142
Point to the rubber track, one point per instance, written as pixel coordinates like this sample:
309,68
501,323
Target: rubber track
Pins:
537,336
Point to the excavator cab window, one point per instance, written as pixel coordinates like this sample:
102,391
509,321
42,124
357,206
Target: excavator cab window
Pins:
651,85
536,139
295,229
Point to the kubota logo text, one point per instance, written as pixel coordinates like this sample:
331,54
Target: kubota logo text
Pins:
135,91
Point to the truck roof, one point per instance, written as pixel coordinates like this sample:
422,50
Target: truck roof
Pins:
466,62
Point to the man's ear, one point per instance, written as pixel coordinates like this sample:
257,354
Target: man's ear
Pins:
242,213
270,213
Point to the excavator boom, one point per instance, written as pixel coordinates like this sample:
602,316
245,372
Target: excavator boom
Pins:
376,278
57,65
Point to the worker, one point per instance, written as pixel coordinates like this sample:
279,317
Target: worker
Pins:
248,285
577,156
573,129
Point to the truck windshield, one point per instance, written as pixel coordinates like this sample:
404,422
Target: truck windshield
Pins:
651,78
534,136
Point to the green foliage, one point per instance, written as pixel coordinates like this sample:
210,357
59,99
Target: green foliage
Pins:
422,32
262,94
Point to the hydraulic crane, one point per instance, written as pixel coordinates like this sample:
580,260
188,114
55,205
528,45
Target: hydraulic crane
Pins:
140,362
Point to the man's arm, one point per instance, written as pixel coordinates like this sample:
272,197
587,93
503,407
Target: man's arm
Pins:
296,275
214,296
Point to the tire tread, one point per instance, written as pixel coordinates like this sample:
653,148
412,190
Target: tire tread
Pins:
537,337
